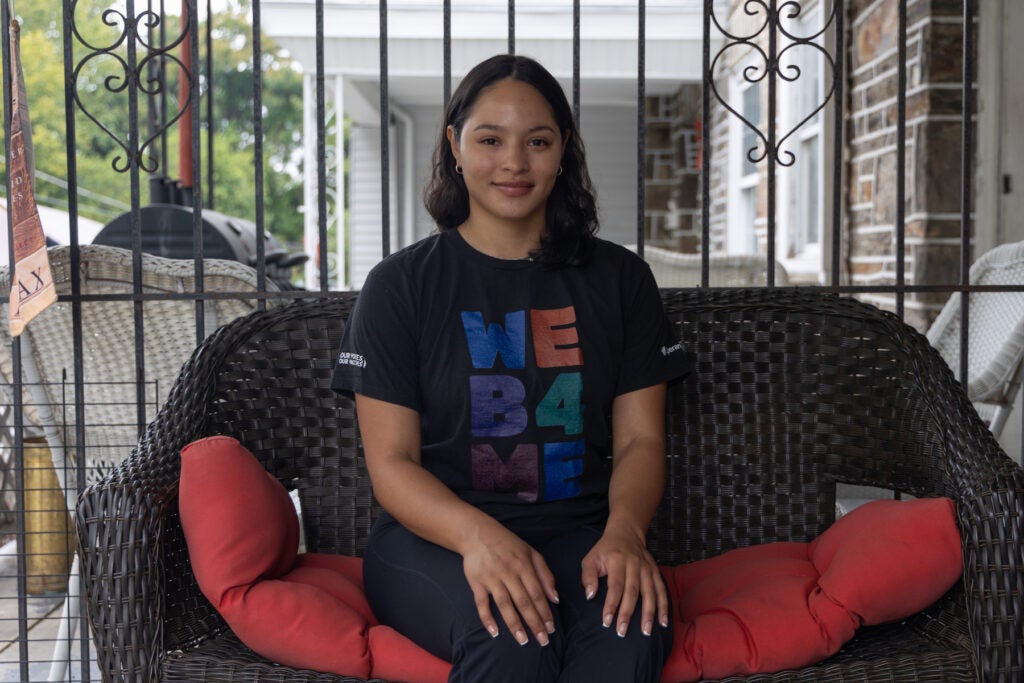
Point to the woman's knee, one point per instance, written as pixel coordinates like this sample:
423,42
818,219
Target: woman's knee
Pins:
600,654
477,656
418,589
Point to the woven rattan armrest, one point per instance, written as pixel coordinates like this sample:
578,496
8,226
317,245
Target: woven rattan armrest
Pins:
142,598
121,527
130,542
989,496
988,490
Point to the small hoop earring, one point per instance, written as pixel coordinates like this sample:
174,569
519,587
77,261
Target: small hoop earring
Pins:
559,170
458,169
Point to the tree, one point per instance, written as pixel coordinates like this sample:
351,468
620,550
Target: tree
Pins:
101,105
234,123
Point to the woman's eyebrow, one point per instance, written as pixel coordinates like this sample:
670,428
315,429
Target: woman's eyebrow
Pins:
495,127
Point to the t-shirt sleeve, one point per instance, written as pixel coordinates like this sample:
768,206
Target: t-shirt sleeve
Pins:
379,350
652,352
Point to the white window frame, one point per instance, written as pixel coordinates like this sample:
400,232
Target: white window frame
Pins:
741,233
800,256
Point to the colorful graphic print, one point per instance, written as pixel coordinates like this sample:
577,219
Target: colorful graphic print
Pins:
499,403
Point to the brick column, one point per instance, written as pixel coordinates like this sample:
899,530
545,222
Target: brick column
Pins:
933,153
672,185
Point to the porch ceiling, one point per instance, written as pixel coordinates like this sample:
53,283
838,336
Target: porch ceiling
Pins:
479,29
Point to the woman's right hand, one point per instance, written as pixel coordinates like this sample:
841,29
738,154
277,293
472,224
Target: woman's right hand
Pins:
498,564
502,567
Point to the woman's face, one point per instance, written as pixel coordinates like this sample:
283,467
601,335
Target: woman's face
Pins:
510,149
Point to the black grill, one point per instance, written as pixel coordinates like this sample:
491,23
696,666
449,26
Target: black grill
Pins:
167,231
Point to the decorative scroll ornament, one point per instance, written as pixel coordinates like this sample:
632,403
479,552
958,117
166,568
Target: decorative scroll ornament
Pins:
133,74
761,45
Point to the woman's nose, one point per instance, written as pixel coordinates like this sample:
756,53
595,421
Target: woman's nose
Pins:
515,158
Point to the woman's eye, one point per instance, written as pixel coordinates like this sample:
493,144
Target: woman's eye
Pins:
539,142
489,141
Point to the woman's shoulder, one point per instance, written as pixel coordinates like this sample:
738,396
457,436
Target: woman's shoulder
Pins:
609,254
408,264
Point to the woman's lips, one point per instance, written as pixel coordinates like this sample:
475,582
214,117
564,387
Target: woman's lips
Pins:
514,189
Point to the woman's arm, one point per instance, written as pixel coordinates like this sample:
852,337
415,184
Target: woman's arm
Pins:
636,488
498,564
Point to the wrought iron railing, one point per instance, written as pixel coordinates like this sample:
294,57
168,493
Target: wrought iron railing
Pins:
148,52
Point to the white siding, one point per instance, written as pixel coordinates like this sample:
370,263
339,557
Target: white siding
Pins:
365,246
427,129
609,133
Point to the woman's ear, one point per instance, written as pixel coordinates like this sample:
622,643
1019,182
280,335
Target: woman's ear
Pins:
453,142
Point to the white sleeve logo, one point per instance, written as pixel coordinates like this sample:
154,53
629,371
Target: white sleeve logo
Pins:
354,359
667,350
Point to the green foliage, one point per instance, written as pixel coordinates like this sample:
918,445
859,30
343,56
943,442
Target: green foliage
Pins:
234,129
103,99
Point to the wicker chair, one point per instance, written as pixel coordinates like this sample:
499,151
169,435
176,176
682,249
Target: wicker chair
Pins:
108,349
678,269
110,425
793,392
995,334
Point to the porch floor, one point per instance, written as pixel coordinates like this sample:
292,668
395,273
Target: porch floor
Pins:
43,616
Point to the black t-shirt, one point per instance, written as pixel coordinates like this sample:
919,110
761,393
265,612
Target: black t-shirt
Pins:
512,367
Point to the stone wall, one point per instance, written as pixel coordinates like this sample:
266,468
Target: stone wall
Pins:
674,159
933,152
672,177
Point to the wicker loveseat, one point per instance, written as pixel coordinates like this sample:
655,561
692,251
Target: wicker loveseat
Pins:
792,393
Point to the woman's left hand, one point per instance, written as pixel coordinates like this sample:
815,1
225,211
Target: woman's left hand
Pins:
636,486
632,575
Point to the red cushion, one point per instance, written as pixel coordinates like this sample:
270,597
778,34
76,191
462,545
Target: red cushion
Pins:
305,611
889,559
787,605
759,609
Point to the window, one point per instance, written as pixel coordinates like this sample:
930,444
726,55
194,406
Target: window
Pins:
802,160
744,176
800,232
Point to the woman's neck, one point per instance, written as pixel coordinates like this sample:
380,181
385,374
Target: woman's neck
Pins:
501,242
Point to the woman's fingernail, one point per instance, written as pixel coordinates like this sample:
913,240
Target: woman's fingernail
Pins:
590,592
521,638
493,630
647,627
664,622
622,631
550,625
542,638
607,620
556,599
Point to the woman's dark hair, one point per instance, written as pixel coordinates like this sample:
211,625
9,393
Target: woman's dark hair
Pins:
571,208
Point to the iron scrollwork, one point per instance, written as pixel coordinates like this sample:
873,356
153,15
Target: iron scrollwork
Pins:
133,76
769,19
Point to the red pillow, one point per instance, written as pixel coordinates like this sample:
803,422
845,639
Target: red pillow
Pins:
305,611
239,521
889,559
759,609
787,605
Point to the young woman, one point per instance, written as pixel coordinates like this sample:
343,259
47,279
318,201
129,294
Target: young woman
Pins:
509,374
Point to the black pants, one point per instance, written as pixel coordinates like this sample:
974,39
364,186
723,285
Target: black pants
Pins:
420,589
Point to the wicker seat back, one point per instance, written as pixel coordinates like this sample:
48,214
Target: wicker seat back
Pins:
995,336
790,394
